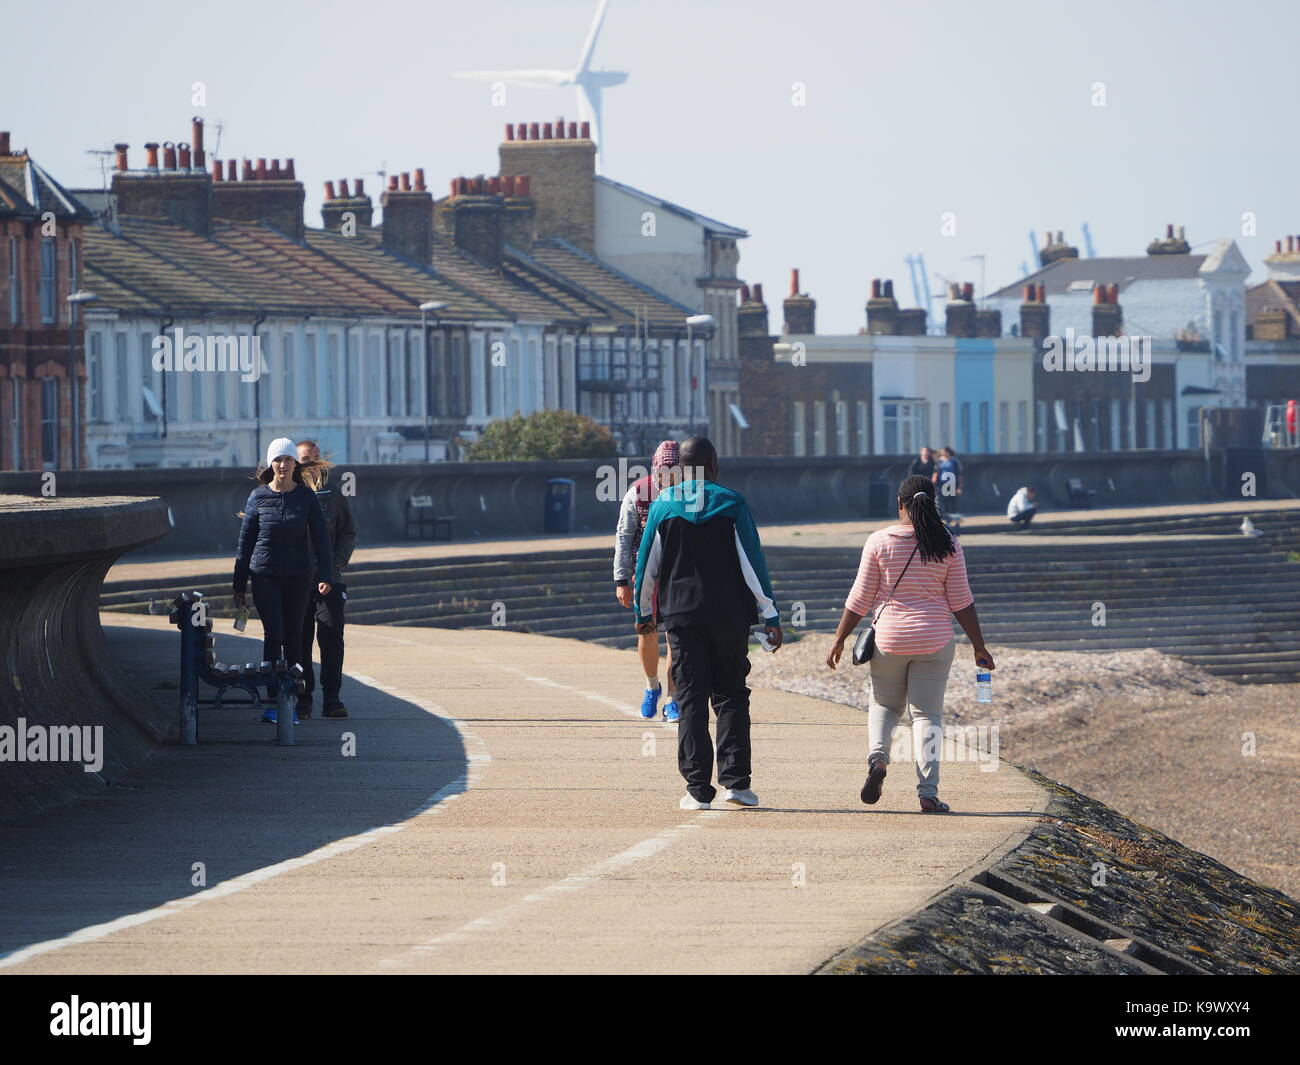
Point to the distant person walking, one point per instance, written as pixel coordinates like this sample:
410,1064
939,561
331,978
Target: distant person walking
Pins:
947,476
323,619
1023,507
912,581
701,553
664,471
923,466
284,545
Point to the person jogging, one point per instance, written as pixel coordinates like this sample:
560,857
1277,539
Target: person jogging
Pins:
912,581
284,545
701,555
664,471
323,619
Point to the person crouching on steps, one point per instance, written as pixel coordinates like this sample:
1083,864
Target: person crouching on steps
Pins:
323,620
912,580
664,471
284,545
701,553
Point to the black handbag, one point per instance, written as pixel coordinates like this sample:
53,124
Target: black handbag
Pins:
865,645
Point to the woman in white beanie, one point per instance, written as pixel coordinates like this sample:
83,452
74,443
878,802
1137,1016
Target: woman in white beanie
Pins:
283,523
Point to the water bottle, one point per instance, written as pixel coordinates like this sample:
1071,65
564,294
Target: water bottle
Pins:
983,687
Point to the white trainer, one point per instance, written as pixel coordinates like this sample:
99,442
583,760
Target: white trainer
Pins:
740,797
690,802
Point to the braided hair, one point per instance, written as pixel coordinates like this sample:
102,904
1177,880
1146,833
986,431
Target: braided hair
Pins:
916,497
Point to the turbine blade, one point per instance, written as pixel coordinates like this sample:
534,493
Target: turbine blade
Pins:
534,79
584,60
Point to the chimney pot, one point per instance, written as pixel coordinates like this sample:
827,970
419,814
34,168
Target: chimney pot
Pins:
548,133
758,289
419,179
510,131
875,288
494,185
329,191
183,157
392,183
586,135
559,129
406,181
260,173
4,142
343,189
534,131
887,290
119,148
744,293
1027,295
967,292
358,187
794,281
573,131
196,143
507,185
151,155
217,172
169,156
232,170
1099,294
523,183
1169,231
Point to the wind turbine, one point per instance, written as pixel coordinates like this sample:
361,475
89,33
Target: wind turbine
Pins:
588,82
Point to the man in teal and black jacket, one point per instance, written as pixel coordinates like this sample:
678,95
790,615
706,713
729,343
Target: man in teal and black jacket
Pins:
700,550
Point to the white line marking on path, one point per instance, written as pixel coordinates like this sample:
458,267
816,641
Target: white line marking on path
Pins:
647,848
476,755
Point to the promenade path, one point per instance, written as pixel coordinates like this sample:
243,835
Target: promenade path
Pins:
992,529
506,810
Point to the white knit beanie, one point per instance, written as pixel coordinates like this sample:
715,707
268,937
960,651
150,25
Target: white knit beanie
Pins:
281,446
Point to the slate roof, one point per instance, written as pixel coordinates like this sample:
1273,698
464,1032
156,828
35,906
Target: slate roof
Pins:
1283,294
27,191
148,266
711,224
1120,270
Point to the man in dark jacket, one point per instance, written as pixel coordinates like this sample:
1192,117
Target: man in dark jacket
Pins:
324,615
700,550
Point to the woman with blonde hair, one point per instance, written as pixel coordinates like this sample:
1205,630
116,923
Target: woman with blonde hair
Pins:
283,527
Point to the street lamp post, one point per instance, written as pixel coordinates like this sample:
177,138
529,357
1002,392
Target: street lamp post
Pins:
431,307
695,321
75,300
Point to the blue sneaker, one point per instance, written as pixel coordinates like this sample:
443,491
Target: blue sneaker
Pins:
671,712
271,717
650,702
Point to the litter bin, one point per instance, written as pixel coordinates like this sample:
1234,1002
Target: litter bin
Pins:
559,506
880,498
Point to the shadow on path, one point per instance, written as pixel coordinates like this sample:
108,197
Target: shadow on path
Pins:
236,802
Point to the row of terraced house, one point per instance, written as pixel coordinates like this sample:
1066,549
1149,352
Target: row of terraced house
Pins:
549,286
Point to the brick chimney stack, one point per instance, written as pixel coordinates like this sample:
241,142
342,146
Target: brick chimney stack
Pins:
520,220
882,309
1284,263
1056,248
751,315
1107,315
171,190
266,193
478,218
408,218
338,203
960,311
1035,314
988,323
1174,243
561,167
800,309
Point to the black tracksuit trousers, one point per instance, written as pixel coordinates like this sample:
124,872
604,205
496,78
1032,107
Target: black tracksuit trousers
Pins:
324,620
711,662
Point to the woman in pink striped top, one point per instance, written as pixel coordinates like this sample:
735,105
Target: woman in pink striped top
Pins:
924,567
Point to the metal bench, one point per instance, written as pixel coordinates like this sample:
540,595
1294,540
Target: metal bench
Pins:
423,522
199,663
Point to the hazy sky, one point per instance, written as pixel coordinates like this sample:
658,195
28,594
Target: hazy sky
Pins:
912,110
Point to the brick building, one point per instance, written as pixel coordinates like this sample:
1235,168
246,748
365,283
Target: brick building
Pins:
41,332
1273,330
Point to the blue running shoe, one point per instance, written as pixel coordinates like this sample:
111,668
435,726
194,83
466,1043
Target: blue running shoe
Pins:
271,717
650,702
671,711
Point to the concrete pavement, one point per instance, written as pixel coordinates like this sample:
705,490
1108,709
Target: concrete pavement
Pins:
506,810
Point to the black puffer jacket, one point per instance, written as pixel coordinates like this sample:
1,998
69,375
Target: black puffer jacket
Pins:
280,534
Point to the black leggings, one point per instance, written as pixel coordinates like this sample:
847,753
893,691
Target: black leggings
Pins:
281,604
